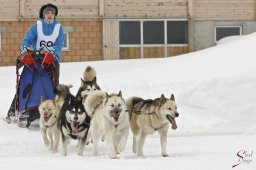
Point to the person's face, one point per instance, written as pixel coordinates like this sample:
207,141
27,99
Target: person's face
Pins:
49,16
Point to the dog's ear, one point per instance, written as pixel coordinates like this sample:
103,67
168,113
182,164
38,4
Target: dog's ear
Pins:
162,96
162,99
42,99
107,95
82,82
119,94
94,80
172,97
69,86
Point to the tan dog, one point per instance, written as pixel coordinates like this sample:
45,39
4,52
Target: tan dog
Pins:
110,119
49,113
148,116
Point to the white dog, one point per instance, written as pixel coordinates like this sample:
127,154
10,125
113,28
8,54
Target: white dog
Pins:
110,118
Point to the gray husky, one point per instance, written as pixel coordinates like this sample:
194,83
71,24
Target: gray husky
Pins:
148,116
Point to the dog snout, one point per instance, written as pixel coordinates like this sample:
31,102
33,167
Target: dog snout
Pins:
76,118
177,114
116,111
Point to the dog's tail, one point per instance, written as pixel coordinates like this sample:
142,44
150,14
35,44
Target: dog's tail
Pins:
93,101
62,91
89,74
131,102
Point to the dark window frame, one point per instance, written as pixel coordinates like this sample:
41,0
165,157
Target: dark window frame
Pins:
128,39
142,45
227,27
181,39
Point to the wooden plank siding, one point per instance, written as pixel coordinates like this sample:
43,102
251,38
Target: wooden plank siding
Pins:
146,8
29,9
130,52
67,9
9,10
173,51
224,10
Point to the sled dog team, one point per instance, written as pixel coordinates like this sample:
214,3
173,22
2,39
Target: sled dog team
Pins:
94,115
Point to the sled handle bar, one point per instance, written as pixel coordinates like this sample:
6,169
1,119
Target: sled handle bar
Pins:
35,52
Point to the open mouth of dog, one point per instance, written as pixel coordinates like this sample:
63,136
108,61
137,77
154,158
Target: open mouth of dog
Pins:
47,117
115,114
84,97
172,121
74,126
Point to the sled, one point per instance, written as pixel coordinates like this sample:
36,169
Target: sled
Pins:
36,80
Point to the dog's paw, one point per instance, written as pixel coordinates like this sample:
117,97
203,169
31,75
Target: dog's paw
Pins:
64,153
113,156
80,152
103,138
165,155
53,149
46,143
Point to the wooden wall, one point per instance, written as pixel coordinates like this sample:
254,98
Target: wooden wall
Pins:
9,10
224,9
67,9
146,8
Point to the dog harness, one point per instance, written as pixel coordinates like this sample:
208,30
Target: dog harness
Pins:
137,110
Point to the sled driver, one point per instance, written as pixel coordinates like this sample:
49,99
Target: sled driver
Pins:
47,35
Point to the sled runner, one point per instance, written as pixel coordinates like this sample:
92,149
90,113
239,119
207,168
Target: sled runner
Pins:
36,80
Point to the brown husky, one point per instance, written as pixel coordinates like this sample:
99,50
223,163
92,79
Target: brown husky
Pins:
148,116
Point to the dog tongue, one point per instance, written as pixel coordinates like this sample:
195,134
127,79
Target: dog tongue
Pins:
46,118
174,125
85,96
74,127
173,122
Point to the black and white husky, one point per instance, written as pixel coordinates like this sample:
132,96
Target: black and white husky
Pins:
73,123
88,83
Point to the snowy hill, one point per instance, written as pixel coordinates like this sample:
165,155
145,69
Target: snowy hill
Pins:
215,93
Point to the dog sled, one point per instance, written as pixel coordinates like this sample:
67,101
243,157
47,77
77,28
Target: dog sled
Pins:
35,79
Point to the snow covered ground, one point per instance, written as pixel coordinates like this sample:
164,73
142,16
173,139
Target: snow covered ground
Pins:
215,90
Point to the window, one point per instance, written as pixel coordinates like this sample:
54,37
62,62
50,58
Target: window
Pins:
153,32
0,41
129,32
2,29
177,32
66,41
148,38
67,31
225,31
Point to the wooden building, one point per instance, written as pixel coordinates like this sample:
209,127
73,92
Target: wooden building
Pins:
124,29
